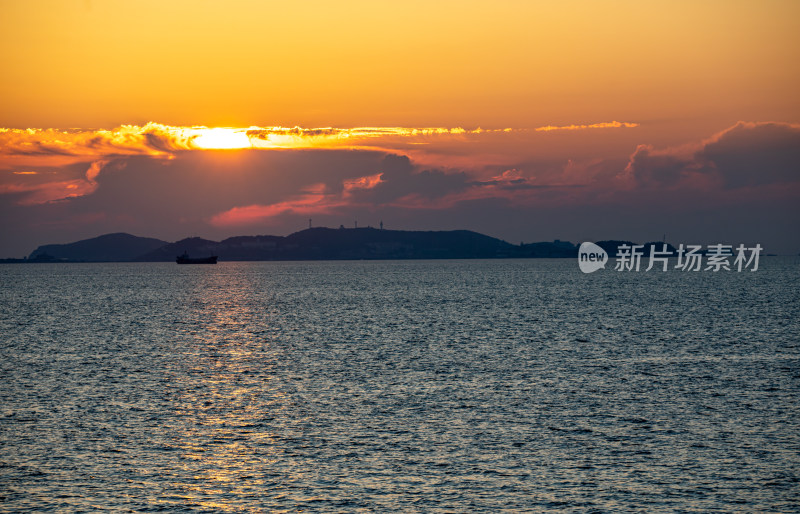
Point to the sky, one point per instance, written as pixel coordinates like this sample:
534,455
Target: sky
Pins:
528,121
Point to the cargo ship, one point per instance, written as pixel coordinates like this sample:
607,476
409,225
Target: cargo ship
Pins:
185,259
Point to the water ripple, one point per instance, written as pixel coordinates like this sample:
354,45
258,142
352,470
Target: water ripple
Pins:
398,386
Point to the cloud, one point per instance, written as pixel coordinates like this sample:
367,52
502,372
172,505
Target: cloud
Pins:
156,139
305,204
151,139
42,187
649,167
27,151
298,137
397,182
48,192
747,154
400,178
751,154
361,183
602,125
510,180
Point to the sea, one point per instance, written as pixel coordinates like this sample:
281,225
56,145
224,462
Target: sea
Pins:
399,386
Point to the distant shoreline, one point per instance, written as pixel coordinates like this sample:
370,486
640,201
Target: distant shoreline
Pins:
317,244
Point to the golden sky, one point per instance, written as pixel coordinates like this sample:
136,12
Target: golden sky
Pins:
491,64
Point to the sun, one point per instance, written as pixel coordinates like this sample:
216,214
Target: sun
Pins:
221,138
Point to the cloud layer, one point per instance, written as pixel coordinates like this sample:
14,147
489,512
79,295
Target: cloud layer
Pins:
57,186
157,139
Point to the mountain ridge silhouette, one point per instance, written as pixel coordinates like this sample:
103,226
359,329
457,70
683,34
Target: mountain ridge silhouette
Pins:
319,243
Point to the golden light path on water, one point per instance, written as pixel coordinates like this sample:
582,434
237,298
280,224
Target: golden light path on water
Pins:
225,442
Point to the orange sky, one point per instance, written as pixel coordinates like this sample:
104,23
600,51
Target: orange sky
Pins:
515,118
490,64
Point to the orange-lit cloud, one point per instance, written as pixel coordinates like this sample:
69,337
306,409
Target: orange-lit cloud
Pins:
150,139
160,140
612,124
315,201
34,194
23,152
53,190
368,182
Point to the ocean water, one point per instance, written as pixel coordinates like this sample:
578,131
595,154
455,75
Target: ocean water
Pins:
414,386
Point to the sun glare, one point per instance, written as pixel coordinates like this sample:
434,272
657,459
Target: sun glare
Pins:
221,138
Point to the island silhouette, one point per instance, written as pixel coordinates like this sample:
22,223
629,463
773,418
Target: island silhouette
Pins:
318,243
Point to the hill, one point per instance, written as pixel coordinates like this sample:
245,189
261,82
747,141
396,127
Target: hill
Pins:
107,248
311,244
338,244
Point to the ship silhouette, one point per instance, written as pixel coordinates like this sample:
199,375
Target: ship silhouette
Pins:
185,259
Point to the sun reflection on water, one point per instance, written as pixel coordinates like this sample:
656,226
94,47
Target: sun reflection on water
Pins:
230,404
